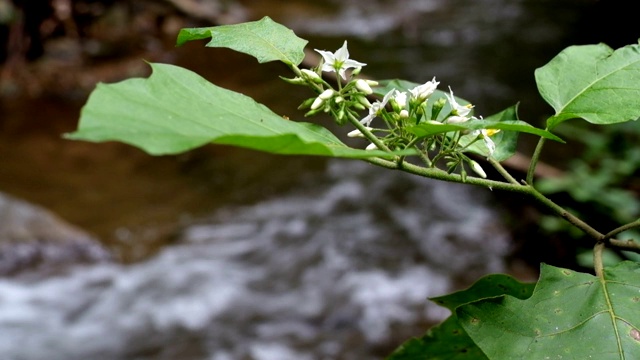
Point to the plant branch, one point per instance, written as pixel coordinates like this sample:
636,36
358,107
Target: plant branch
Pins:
439,174
611,234
503,171
558,210
435,173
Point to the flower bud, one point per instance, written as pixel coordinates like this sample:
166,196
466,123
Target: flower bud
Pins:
357,133
363,86
478,169
359,106
294,81
317,103
437,107
404,113
311,75
456,119
312,112
326,95
356,71
371,146
363,100
305,104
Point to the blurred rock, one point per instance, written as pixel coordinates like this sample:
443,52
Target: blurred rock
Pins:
32,238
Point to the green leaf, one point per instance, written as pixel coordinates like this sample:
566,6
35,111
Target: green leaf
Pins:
427,129
486,287
265,39
570,315
449,340
176,110
506,141
592,82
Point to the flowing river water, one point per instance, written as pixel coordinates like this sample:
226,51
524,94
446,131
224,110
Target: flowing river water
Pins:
234,255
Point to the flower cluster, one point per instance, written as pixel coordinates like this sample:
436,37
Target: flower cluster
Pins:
407,114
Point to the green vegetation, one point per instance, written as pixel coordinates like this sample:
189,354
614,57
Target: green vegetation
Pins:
418,129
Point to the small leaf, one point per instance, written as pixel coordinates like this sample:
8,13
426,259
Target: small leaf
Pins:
427,129
570,315
486,287
449,340
176,110
592,82
265,39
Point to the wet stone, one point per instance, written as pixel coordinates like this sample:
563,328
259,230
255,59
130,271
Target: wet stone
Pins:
32,239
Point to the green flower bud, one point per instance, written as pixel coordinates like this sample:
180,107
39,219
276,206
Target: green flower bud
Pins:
294,81
437,107
306,104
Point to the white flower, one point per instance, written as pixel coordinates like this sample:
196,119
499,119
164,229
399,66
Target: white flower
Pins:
375,108
400,98
486,135
338,61
422,92
456,109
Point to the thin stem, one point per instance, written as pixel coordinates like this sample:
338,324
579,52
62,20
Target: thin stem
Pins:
628,245
558,210
534,160
505,174
424,158
439,174
614,232
421,155
598,265
374,139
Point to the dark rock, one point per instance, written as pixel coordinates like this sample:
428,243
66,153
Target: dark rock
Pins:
33,238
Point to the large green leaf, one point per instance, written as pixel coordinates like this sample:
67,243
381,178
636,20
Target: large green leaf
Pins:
592,82
570,315
176,110
449,340
264,39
